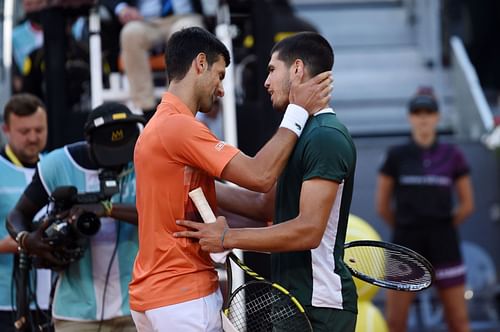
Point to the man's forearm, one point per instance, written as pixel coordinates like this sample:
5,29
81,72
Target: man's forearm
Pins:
272,158
261,172
16,223
124,212
294,235
245,202
8,245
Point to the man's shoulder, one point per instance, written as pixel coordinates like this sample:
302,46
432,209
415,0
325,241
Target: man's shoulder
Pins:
72,153
327,120
4,161
173,127
327,128
8,170
54,154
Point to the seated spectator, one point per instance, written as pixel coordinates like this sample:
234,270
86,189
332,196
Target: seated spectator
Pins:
146,24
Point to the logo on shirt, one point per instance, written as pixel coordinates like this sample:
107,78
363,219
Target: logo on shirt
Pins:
423,180
219,146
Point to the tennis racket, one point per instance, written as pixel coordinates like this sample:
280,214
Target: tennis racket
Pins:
388,265
258,305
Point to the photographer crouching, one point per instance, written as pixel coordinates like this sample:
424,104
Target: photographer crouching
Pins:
90,187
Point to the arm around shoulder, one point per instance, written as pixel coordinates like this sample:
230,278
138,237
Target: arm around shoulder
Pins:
260,173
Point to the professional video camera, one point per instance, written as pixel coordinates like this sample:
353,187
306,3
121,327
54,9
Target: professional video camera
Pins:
70,238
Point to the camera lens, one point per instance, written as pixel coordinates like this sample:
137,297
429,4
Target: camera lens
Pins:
88,224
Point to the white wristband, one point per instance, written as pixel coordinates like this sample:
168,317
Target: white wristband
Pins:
294,119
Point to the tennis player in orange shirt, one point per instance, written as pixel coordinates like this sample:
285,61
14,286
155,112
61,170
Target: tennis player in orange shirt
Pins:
174,285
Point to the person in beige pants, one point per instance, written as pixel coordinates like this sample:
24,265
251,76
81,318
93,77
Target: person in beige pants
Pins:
146,25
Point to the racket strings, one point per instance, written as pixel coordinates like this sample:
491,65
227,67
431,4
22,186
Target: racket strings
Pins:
388,265
402,267
259,307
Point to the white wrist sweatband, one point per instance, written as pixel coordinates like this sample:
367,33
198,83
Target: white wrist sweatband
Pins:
294,119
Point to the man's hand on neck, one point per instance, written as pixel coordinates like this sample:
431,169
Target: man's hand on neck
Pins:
313,94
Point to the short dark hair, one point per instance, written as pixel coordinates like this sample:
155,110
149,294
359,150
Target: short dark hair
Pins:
22,104
312,48
184,45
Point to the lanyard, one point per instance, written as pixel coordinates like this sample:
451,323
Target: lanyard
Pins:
10,154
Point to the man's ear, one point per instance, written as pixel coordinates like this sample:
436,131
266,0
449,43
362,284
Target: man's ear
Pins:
201,63
5,129
297,70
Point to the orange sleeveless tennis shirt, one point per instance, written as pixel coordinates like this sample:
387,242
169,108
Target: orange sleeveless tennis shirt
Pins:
174,154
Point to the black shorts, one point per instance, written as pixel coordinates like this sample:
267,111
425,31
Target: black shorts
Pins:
440,244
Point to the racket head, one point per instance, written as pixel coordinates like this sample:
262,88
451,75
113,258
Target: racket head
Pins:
261,306
388,265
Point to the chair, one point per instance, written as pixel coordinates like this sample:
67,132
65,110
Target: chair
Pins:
118,88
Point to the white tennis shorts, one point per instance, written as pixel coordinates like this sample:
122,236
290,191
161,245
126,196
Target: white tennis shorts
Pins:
200,315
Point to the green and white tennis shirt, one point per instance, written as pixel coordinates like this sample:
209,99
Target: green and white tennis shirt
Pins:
318,277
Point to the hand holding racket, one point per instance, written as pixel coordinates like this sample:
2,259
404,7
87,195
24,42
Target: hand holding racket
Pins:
208,217
258,305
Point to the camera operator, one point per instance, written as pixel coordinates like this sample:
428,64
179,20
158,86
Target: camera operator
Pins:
91,293
25,127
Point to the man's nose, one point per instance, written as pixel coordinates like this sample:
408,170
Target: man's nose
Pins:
33,136
266,83
220,91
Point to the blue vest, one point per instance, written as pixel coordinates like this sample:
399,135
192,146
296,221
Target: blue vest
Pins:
80,288
13,181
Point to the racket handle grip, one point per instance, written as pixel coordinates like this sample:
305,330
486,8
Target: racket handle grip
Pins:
208,216
201,203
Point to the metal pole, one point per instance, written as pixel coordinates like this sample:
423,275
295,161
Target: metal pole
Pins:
5,73
95,58
223,32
